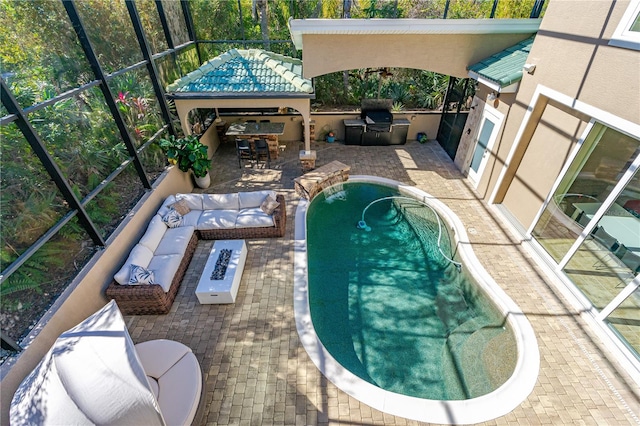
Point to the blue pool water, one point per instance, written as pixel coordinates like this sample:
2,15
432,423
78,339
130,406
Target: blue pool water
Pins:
389,307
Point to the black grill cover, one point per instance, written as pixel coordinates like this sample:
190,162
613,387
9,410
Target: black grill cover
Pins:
377,120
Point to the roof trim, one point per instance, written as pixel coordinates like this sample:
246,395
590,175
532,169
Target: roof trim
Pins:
300,27
239,95
504,68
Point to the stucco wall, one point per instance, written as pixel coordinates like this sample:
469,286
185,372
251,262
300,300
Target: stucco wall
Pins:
448,54
554,138
572,57
86,294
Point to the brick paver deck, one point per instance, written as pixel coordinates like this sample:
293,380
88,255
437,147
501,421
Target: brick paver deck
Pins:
255,369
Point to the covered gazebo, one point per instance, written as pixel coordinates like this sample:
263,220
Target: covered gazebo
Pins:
239,79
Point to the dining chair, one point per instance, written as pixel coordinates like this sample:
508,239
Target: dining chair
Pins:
262,151
243,151
631,260
606,239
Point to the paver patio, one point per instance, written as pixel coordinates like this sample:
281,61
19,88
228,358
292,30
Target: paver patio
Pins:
256,371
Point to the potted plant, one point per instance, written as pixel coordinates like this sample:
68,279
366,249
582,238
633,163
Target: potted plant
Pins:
331,137
188,154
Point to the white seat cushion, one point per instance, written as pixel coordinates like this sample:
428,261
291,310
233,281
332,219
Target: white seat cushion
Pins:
217,219
254,218
155,232
175,241
141,256
249,200
194,201
191,218
220,201
164,268
177,372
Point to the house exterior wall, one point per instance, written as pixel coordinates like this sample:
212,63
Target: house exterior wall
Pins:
572,57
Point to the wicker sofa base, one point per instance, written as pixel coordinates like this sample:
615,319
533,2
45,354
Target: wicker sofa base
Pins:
152,299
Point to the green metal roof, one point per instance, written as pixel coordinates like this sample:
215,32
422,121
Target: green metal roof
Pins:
239,72
505,67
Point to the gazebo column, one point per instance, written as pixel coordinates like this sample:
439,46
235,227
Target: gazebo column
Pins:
183,108
307,156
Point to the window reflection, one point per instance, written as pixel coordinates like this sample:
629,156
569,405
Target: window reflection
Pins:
605,155
610,256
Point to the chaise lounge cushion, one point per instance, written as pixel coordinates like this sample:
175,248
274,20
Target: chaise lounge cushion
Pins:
217,219
141,256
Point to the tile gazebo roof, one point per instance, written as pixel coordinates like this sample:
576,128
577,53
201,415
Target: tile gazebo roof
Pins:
505,67
245,73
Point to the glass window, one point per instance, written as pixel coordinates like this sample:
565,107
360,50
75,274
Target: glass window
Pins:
627,33
604,156
151,24
625,320
82,137
40,56
109,28
609,257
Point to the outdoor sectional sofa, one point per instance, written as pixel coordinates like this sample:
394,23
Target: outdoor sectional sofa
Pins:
172,236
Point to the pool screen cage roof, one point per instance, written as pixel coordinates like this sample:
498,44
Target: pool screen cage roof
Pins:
172,37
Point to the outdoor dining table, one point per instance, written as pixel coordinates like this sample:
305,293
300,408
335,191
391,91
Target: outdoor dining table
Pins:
252,131
618,222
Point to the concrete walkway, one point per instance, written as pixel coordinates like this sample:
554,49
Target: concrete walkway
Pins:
255,369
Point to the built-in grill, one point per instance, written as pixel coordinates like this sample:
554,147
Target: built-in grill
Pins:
376,125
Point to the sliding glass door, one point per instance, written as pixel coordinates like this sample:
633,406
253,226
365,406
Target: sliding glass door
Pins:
590,226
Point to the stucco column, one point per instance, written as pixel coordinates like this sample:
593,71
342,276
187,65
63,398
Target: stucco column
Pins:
183,115
307,137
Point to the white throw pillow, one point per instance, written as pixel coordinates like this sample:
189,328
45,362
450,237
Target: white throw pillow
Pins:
173,219
140,275
140,255
164,208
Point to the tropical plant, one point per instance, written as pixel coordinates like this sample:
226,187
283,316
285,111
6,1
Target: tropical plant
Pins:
187,153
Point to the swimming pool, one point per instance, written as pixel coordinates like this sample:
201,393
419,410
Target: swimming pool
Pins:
387,317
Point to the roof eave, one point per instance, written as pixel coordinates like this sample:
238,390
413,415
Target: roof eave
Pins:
243,95
300,27
510,86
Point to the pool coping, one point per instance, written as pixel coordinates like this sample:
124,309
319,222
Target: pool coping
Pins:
487,407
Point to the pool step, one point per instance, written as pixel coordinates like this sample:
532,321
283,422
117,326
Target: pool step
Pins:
469,356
